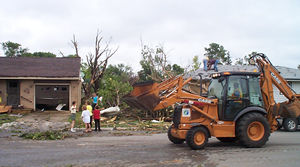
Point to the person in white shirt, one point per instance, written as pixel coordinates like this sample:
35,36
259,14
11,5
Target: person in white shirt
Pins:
86,119
73,116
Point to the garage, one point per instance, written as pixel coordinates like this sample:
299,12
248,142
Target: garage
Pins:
48,97
42,83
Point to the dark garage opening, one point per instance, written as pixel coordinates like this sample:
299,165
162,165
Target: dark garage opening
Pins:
13,93
48,97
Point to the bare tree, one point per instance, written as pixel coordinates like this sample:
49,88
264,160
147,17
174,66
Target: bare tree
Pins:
75,45
95,65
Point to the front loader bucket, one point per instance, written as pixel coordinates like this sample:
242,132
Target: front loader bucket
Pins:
291,110
144,96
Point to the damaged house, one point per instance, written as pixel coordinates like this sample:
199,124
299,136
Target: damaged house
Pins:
39,83
194,85
292,76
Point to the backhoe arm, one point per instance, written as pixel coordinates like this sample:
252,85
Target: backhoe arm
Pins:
271,76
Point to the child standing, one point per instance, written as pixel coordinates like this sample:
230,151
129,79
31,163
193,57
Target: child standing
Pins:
86,118
73,115
95,100
90,108
96,114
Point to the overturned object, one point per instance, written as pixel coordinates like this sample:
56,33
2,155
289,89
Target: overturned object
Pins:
110,111
60,106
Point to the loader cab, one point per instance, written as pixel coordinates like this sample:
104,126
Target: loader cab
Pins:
235,91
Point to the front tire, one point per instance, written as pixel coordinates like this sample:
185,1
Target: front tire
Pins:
197,138
174,139
253,130
290,124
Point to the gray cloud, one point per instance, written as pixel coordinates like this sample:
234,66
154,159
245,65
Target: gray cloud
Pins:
183,27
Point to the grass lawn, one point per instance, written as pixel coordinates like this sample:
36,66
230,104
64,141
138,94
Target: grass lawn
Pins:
6,118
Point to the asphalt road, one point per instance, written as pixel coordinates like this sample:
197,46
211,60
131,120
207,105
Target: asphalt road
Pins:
282,149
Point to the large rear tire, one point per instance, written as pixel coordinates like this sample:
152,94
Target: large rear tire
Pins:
227,139
197,138
290,124
174,139
253,130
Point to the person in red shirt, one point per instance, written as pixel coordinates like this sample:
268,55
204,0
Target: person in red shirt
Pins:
96,115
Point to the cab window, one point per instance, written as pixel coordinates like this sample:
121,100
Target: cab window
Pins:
216,88
254,91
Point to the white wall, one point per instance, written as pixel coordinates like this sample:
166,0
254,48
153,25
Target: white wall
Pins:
278,97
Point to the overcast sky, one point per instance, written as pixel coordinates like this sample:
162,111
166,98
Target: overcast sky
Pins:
183,27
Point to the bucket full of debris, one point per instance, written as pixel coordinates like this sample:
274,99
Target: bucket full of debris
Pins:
290,110
144,96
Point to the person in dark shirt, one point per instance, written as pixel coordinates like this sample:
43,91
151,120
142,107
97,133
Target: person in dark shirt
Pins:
213,62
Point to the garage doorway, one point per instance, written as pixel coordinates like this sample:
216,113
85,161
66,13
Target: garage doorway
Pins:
48,97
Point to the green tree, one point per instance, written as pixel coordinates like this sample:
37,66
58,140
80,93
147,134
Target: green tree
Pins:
217,51
239,61
177,70
196,63
12,49
245,59
115,84
145,73
155,65
39,54
71,55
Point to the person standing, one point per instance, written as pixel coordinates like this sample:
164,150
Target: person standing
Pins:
90,109
96,114
73,116
95,100
85,115
205,61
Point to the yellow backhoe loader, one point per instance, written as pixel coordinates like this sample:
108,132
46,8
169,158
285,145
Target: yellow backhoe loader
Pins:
238,106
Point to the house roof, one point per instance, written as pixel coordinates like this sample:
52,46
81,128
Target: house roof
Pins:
221,68
59,67
289,73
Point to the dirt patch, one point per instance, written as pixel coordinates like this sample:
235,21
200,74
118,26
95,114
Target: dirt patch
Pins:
52,116
36,124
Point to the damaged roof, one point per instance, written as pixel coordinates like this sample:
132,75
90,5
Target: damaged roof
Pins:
58,67
289,73
221,68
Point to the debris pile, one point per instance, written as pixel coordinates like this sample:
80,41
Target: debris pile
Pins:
194,85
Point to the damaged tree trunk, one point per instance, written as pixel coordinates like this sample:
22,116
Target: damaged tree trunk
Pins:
95,65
